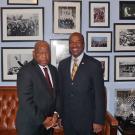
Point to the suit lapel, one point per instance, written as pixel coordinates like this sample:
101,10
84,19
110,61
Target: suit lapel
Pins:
39,71
52,75
37,68
68,68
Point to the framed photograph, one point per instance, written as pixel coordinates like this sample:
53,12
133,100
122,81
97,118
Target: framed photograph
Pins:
22,24
105,65
124,68
12,60
124,37
127,10
99,14
66,16
125,102
98,41
22,2
59,50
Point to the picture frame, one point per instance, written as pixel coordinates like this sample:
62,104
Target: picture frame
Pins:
59,50
124,68
22,24
99,14
22,2
127,10
124,40
66,17
124,103
99,41
12,59
105,66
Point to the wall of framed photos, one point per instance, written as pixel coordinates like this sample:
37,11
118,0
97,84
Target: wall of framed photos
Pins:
108,28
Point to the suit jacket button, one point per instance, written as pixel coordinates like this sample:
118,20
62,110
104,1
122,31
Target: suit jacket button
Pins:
72,83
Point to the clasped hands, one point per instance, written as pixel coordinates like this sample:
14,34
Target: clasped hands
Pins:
51,121
97,128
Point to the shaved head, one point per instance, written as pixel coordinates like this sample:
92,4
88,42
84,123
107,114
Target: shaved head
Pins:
78,35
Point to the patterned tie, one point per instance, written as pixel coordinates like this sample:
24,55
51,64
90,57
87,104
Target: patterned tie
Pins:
47,78
74,69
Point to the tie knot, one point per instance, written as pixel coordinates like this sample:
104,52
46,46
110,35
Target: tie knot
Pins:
45,68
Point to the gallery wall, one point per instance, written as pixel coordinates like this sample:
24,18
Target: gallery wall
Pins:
111,84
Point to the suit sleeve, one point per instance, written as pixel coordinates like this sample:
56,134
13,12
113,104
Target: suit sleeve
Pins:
57,92
99,94
60,88
26,97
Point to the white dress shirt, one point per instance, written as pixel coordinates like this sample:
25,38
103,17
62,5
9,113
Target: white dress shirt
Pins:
50,76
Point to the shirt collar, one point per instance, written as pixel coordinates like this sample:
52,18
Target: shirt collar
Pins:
43,66
79,58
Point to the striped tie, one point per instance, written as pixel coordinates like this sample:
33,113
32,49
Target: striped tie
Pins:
74,69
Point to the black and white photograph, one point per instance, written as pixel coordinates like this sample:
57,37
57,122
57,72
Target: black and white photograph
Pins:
67,17
127,10
124,35
124,68
98,41
22,24
59,50
22,2
125,103
99,14
12,60
105,66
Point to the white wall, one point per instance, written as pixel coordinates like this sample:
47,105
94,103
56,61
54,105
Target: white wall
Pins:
48,34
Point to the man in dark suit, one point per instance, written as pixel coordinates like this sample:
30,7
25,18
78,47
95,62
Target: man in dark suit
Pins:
37,94
82,91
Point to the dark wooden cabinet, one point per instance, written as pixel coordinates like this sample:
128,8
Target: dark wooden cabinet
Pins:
125,126
126,131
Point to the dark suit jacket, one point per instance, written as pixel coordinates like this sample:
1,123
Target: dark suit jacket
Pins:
36,102
83,99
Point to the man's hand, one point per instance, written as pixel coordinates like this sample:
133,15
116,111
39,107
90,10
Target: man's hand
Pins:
60,123
97,128
48,122
55,119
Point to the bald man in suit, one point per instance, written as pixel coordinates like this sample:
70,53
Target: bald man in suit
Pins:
37,94
82,91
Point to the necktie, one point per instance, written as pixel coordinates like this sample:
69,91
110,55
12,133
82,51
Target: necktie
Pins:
74,69
47,78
